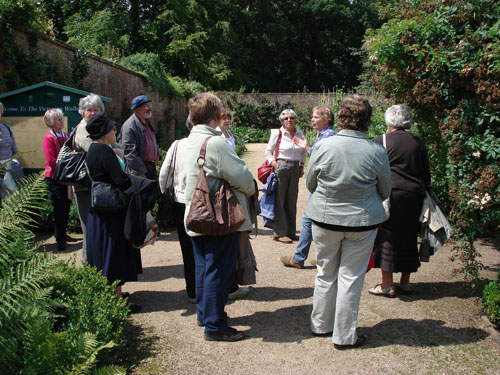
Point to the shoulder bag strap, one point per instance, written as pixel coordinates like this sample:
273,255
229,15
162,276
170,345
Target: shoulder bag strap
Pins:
203,151
278,145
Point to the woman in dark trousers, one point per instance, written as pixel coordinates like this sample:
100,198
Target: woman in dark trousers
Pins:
410,179
58,194
167,179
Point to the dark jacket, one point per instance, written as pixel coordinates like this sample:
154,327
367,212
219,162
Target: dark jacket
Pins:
408,160
142,195
131,138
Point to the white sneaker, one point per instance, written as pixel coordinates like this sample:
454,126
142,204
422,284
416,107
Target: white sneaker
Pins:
240,293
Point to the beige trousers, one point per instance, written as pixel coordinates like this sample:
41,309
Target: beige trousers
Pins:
342,258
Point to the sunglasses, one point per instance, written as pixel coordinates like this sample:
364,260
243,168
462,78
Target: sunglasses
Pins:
288,118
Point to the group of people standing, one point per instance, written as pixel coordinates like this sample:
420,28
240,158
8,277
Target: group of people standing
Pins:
129,165
348,176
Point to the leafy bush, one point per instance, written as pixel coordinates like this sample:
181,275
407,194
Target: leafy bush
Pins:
491,301
43,330
441,58
90,304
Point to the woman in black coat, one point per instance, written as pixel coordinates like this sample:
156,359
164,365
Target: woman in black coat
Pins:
107,247
410,180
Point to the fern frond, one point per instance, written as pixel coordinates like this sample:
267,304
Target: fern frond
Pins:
20,208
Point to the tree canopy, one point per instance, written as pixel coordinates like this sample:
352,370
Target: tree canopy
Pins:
285,45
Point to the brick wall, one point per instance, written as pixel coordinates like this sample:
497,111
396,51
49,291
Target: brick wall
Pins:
111,80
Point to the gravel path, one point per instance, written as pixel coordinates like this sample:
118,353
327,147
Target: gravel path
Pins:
437,330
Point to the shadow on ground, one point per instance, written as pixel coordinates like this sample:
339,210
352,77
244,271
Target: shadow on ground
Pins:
137,345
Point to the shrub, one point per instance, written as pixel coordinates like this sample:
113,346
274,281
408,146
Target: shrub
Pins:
491,301
441,58
41,332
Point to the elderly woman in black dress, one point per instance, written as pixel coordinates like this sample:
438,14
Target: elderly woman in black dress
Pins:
410,179
107,247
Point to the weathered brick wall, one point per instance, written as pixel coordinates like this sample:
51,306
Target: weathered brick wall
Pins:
110,80
121,84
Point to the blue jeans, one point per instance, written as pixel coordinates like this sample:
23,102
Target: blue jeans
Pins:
305,241
215,259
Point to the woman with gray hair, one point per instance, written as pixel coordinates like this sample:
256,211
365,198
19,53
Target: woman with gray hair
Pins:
288,165
410,179
58,194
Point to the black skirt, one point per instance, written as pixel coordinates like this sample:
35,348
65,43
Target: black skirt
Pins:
108,249
398,251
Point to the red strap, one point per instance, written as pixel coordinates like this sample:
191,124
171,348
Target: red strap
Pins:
278,145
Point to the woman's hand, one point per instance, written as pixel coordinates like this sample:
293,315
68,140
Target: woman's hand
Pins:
274,164
302,143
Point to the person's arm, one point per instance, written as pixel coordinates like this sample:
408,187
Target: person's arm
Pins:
14,146
164,181
271,147
49,149
81,142
302,143
231,168
114,171
384,181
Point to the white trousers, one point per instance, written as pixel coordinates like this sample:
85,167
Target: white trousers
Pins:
342,258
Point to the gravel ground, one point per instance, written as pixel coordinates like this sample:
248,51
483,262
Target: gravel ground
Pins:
437,330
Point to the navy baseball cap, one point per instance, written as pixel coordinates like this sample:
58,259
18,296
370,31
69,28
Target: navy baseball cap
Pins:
138,101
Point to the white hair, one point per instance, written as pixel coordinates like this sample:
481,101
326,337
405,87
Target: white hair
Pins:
90,100
288,112
51,115
399,116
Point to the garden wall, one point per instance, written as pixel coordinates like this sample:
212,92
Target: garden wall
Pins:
107,79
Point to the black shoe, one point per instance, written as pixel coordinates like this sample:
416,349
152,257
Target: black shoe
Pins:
361,341
61,246
71,239
200,323
230,334
322,334
125,294
134,308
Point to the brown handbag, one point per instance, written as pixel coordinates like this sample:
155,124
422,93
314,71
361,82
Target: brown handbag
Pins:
213,214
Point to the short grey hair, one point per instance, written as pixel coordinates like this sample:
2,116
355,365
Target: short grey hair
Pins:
51,115
399,116
286,112
90,100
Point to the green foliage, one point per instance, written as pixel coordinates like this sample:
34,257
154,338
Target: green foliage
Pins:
151,67
79,67
441,58
90,304
491,301
42,329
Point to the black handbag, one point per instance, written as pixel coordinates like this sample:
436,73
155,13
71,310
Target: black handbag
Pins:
106,198
70,165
